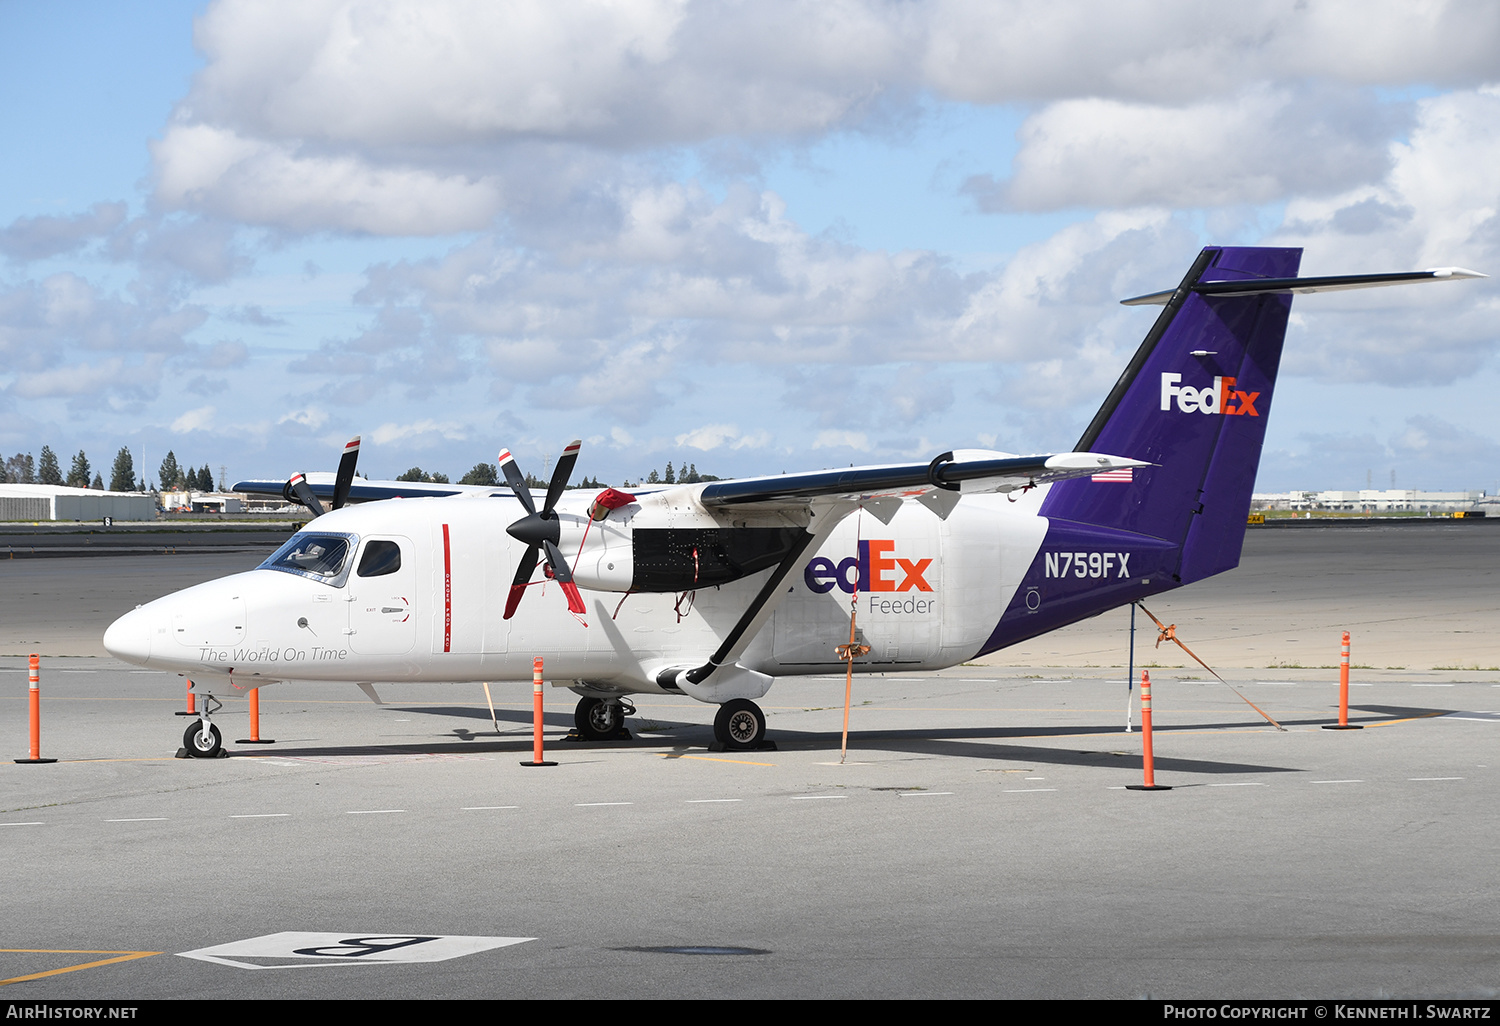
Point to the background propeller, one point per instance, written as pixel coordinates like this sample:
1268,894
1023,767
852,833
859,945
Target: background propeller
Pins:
541,530
298,490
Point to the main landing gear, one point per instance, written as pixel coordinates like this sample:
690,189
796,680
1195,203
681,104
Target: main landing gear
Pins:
202,739
740,726
599,720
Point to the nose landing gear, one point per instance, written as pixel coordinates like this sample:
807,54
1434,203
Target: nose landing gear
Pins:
202,739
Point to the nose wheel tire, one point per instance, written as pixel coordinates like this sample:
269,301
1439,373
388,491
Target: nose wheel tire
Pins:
201,744
598,720
740,725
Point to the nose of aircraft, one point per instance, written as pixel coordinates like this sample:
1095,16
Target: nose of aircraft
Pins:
129,637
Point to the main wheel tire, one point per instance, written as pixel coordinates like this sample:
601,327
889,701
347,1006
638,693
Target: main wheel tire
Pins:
201,744
598,720
740,724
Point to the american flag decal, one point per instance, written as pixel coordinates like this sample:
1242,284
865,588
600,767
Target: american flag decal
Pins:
1115,475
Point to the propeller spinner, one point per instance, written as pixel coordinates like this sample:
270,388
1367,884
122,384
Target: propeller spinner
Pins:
541,530
297,489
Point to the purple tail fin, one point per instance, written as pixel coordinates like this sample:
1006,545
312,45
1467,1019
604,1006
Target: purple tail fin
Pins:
1193,401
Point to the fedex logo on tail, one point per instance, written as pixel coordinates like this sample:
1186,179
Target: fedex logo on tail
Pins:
874,569
1220,397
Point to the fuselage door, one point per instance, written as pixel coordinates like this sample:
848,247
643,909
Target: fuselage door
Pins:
383,598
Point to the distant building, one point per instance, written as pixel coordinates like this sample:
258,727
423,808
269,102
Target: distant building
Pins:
203,502
59,502
1367,500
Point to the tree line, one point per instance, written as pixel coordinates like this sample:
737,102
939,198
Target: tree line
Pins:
487,475
172,476
23,469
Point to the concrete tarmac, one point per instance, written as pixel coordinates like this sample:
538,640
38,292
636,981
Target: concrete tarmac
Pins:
978,842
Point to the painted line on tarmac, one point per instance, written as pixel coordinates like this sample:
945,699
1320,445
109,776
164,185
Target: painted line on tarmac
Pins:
710,801
1434,778
36,823
487,808
1241,783
1409,719
120,956
143,819
815,797
1337,781
922,794
592,805
371,812
261,815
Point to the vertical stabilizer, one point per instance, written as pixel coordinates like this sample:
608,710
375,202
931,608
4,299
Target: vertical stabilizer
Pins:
1194,402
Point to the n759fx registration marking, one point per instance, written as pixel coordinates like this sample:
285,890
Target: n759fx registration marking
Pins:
1088,564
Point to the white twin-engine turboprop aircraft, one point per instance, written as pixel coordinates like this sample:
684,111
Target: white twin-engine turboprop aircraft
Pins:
715,590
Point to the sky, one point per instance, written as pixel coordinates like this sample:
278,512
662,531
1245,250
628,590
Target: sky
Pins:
754,237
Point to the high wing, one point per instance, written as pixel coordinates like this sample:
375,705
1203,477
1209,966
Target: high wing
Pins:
323,485
881,490
964,470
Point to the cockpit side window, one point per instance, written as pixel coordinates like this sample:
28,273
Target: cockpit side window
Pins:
380,558
321,556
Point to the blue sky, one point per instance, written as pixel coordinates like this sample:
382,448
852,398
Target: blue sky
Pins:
754,237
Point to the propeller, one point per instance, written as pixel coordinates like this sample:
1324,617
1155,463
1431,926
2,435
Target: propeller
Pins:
297,489
541,530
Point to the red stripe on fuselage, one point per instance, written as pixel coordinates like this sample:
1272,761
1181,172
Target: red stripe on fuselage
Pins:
447,593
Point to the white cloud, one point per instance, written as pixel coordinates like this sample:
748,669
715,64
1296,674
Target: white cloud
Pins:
832,439
419,434
708,437
1438,206
310,417
35,238
213,170
1259,145
402,118
194,420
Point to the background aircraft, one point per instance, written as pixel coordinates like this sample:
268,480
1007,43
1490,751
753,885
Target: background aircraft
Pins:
716,590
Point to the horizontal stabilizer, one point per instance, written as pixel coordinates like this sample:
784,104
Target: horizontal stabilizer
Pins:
1307,286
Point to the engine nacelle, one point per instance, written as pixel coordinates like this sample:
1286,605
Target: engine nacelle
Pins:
666,542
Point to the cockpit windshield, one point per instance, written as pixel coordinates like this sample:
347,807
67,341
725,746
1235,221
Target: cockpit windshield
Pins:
319,555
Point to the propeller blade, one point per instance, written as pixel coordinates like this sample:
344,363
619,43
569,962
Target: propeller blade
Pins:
516,480
559,565
304,494
562,472
518,585
564,577
345,477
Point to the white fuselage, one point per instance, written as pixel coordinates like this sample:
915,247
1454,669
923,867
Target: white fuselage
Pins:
929,593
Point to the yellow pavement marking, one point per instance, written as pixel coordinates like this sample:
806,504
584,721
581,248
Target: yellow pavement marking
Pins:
1409,719
120,956
707,758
